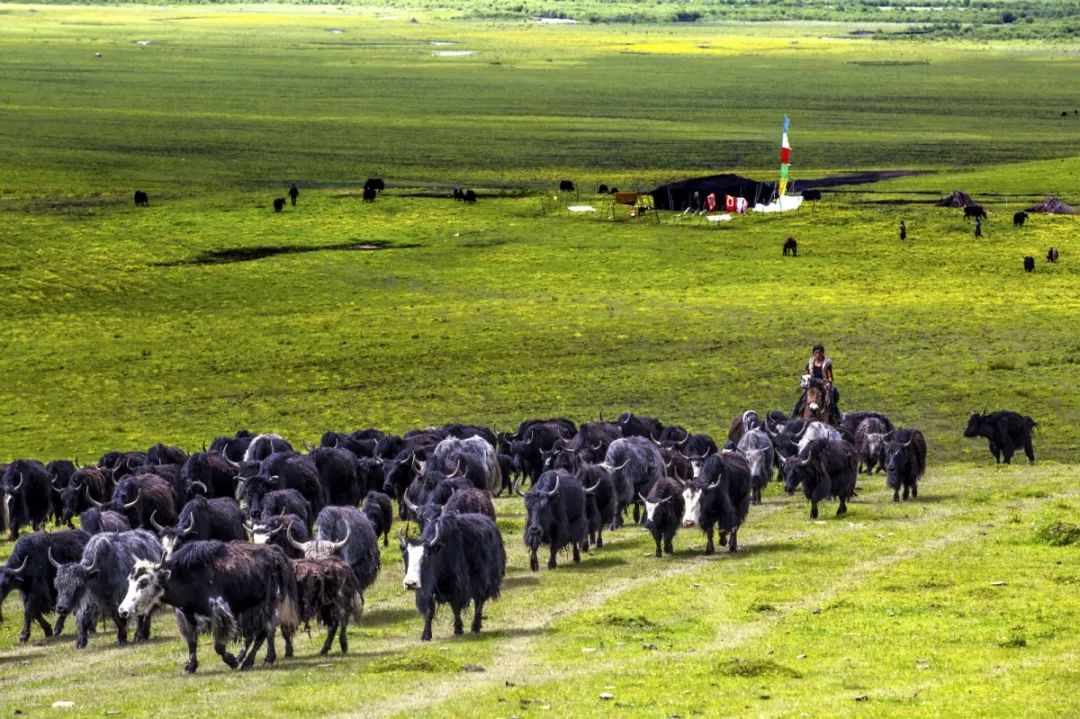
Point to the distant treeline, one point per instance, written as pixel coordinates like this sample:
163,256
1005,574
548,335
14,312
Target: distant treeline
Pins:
977,19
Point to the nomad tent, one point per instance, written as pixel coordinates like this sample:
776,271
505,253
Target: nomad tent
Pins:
694,193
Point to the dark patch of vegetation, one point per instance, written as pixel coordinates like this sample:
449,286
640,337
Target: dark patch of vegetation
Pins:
1059,534
748,668
247,254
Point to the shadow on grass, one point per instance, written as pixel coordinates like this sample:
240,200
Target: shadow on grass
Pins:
382,617
247,254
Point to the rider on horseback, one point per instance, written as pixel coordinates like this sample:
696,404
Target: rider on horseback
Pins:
819,371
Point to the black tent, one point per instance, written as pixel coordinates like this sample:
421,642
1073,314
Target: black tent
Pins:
691,193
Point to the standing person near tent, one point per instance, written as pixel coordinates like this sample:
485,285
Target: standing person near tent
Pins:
903,231
293,194
978,227
820,368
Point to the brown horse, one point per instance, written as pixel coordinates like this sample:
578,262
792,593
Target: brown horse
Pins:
815,402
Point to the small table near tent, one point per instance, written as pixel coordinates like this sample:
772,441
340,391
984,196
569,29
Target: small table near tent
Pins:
638,204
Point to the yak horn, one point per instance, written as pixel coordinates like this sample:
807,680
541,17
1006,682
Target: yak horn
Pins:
53,561
592,489
21,566
132,503
288,535
15,488
435,539
190,528
338,545
555,491
93,501
153,523
412,507
205,489
642,497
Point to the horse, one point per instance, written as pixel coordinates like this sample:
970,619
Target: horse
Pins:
815,402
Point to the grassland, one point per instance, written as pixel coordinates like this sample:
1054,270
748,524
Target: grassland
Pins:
112,335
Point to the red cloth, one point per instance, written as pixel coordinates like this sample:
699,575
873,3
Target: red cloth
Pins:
710,201
729,203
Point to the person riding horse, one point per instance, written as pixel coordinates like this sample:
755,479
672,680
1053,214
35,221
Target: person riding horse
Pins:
818,390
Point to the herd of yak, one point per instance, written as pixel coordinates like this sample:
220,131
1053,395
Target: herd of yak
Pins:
250,537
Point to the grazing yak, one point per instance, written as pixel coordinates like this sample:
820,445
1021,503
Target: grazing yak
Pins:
327,592
791,247
30,570
566,186
905,462
1029,264
1005,431
369,194
974,211
375,183
245,590
96,521
555,510
141,199
825,468
1019,219
94,586
601,504
380,511
27,491
719,499
664,510
459,558
1052,255
279,204
757,449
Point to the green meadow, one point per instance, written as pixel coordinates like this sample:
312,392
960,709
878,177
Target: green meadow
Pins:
120,327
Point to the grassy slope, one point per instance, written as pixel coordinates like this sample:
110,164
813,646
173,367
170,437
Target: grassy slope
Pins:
512,308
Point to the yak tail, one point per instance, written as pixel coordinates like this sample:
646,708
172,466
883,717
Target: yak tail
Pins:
1032,423
288,611
288,617
356,609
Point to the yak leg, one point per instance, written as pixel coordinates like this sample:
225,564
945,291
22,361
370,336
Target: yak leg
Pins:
723,538
459,627
667,542
478,615
995,451
600,537
637,513
343,640
1029,450
142,628
534,563
656,538
842,509
223,652
331,630
426,605
189,630
121,631
914,489
84,622
249,661
709,548
551,558
896,494
813,509
577,553
733,544
907,491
